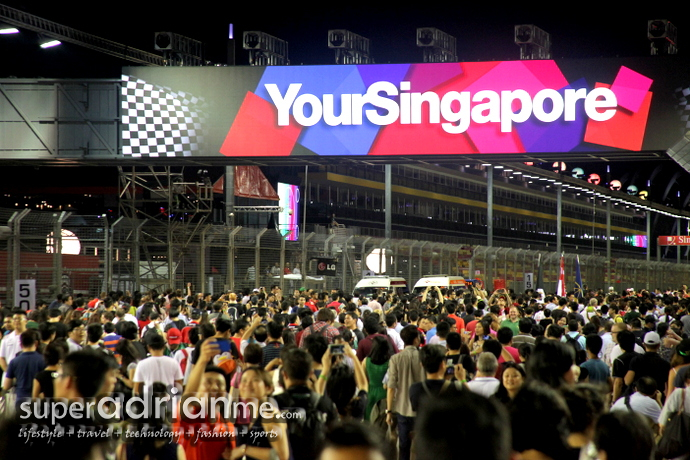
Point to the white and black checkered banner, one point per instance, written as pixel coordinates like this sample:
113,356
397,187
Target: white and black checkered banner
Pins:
158,121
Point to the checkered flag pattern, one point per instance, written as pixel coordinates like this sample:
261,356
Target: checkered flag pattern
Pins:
158,121
683,97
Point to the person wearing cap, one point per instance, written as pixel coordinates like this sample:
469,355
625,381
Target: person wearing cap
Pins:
174,339
649,364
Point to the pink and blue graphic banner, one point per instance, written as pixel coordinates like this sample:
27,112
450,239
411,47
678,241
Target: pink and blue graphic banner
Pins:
509,107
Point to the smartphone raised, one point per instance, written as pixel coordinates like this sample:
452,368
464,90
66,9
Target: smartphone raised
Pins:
337,349
224,345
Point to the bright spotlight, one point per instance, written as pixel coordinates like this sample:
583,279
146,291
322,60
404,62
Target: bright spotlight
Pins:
50,43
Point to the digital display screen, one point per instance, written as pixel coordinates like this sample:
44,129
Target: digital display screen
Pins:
499,107
638,241
288,218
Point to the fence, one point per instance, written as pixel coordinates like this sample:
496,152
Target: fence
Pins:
132,254
239,258
60,252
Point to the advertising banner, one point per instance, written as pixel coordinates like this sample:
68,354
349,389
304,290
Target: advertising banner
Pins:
673,240
325,267
509,107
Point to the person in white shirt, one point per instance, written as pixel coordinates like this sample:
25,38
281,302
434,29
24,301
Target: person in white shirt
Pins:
485,383
645,401
76,332
364,305
442,331
157,367
255,333
11,345
130,317
550,304
616,350
391,322
374,304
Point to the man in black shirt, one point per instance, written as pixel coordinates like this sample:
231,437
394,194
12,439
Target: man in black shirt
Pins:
649,364
55,317
350,322
433,358
305,441
621,364
274,342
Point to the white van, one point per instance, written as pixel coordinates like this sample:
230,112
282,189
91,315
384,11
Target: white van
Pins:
441,282
372,286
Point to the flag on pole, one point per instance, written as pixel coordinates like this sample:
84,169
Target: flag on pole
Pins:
578,279
560,289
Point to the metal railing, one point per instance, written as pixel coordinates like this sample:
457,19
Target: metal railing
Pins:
131,254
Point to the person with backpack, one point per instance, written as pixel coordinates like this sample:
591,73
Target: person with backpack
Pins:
174,320
433,358
577,341
305,433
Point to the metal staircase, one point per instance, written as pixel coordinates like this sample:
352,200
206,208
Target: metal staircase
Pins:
36,24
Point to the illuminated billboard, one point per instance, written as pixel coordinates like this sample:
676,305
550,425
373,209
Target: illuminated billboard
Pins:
509,107
288,218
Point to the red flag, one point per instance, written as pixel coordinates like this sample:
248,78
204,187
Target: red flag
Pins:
560,290
250,182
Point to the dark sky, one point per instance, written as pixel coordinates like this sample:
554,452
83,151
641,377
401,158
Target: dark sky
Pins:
483,33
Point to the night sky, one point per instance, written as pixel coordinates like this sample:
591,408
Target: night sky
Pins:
483,33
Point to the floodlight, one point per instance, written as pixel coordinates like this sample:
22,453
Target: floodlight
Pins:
49,43
7,29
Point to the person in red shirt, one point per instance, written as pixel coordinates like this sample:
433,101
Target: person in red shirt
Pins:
311,303
239,327
335,302
459,322
508,353
205,382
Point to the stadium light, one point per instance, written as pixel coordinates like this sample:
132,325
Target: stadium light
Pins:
49,43
6,29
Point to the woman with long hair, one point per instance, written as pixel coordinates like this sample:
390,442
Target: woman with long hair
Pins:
53,355
512,379
669,341
679,360
128,351
143,317
482,332
253,439
375,368
552,363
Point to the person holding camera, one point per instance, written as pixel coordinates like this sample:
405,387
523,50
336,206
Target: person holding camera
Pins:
346,386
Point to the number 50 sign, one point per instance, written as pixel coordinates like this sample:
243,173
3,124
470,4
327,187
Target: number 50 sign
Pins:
25,294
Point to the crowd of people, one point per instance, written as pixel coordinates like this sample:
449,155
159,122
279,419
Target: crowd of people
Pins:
447,374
